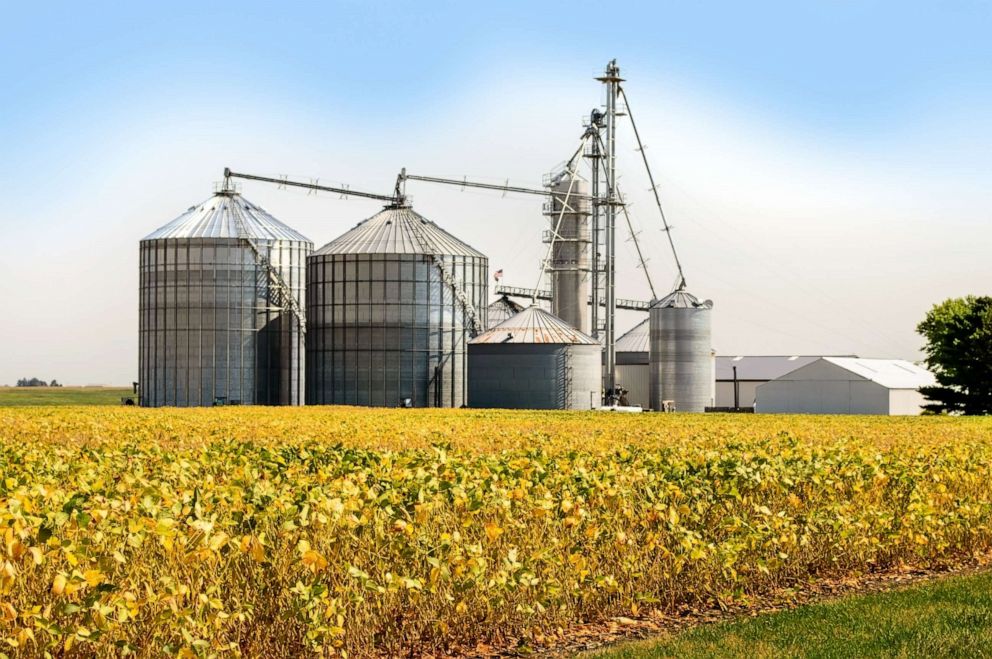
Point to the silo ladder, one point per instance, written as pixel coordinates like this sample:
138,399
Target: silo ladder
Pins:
283,294
448,278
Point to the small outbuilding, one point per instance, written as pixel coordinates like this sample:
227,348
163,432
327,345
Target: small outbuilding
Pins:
846,385
746,373
534,360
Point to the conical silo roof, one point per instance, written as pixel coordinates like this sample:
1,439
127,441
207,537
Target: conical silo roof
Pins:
392,231
534,325
681,299
502,309
637,339
218,216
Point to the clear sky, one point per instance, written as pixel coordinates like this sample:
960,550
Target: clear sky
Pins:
826,166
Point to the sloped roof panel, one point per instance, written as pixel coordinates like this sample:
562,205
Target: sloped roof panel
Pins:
636,339
502,309
392,231
890,373
682,299
534,325
218,216
761,367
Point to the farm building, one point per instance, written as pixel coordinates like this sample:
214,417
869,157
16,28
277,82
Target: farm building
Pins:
633,369
846,385
751,372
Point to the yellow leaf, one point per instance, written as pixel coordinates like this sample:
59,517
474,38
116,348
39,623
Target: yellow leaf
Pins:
314,560
37,555
58,586
493,531
93,577
218,541
16,549
255,548
8,611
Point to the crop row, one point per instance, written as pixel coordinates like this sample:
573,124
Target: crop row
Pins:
345,531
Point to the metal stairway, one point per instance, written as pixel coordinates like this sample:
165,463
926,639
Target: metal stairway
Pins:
280,293
446,276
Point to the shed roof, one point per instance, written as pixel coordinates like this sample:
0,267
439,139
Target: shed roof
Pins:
889,373
218,216
534,325
761,367
393,231
637,339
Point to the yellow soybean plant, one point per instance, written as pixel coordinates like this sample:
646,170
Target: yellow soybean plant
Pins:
343,531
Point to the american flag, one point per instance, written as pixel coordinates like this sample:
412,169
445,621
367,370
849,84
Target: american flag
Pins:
498,274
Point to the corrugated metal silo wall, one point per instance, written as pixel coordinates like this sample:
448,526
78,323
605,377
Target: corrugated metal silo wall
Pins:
208,328
534,376
681,368
384,327
570,275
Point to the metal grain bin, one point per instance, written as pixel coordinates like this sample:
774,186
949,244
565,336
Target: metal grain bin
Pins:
216,322
385,327
534,360
570,264
502,309
681,354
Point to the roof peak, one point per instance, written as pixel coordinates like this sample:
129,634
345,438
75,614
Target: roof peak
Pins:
534,325
227,214
391,231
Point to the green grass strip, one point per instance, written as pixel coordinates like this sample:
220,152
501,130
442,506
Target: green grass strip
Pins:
950,617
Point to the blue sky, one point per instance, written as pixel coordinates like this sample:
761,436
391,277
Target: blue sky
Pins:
818,155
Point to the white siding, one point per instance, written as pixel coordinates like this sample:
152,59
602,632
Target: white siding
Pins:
822,388
822,397
905,402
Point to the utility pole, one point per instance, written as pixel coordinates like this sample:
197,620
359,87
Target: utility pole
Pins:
612,81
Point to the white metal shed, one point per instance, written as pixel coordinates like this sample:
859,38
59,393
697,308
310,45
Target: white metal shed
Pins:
846,385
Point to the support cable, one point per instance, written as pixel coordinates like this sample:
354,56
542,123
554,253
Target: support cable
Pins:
654,189
633,235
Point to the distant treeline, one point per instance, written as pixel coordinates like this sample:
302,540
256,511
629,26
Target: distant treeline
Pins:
35,382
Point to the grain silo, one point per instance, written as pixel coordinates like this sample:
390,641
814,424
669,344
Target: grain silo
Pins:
534,360
570,264
391,306
633,365
500,310
681,354
220,308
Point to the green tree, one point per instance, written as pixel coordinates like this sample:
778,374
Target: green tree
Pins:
959,353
